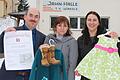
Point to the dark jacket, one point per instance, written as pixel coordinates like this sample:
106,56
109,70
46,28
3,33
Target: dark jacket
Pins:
118,45
84,49
11,75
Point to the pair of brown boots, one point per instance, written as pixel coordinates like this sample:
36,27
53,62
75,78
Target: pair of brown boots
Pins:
48,55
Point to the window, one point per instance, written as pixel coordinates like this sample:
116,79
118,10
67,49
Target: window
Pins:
105,22
53,18
74,22
82,22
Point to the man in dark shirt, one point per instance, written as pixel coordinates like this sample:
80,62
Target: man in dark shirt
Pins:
31,18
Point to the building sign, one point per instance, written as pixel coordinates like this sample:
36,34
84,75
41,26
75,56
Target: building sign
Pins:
61,5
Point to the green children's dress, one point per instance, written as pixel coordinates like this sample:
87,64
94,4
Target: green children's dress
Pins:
102,62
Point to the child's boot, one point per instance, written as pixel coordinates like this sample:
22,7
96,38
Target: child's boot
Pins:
45,51
51,55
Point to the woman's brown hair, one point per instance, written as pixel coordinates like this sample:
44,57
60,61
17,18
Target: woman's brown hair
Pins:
62,19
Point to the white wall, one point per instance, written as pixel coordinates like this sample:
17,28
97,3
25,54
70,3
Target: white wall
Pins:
33,3
103,7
